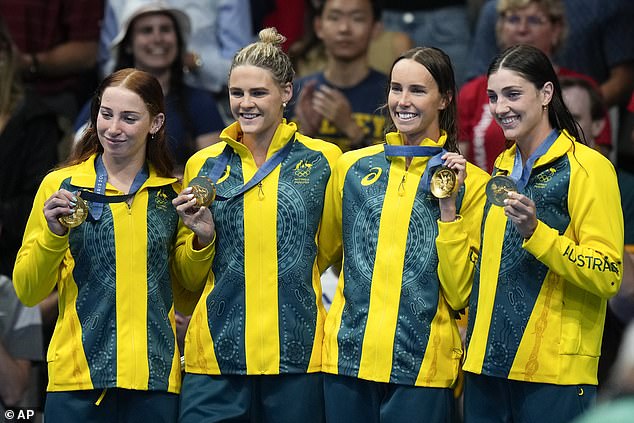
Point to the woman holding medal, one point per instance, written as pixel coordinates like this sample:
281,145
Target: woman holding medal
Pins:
392,349
253,346
551,255
102,230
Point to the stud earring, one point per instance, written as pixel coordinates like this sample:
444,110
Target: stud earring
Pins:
284,104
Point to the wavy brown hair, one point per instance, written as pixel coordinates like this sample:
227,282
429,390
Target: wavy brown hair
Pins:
149,89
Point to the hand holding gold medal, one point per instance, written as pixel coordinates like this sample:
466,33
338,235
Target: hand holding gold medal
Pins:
77,217
204,191
498,187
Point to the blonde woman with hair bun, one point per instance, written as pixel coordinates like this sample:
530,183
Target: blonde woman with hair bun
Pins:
253,346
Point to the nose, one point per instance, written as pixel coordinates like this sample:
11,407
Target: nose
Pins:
114,128
404,99
344,24
247,101
499,107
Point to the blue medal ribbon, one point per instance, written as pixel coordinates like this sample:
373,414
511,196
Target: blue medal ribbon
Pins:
521,174
435,153
266,168
98,197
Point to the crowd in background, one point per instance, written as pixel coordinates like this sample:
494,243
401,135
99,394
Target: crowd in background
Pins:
55,54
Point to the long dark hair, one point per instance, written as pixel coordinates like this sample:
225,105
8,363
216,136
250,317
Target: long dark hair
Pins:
534,66
149,89
439,66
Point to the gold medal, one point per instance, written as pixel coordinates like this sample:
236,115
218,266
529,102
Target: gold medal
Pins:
77,217
443,182
498,188
204,191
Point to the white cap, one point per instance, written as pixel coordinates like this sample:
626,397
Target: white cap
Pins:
132,9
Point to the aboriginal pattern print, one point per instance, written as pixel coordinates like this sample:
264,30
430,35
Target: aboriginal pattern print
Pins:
521,275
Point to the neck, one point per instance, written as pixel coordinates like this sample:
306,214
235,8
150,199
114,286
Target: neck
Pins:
258,144
433,133
528,145
163,76
344,74
122,171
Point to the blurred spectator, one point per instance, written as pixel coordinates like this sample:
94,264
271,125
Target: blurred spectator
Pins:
437,23
57,40
20,346
152,38
219,28
29,135
289,17
340,104
540,23
600,44
309,54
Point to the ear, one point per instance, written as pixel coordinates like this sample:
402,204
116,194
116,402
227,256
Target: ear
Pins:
446,100
547,93
287,92
377,28
157,123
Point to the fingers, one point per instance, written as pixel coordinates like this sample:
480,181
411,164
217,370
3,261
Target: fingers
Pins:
522,212
185,202
61,203
457,163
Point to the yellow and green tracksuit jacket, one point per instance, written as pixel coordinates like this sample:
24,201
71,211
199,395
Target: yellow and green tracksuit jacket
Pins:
116,309
260,312
538,305
404,272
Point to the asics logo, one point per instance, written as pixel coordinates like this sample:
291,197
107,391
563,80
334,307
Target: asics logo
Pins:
372,176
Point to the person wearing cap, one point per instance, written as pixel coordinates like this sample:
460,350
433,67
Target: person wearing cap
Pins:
114,355
219,28
152,37
253,346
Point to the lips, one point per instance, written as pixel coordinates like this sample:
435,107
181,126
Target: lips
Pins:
508,121
406,115
249,115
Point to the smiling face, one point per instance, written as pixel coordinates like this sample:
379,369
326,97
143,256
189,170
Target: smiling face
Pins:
415,102
123,124
154,42
517,106
256,100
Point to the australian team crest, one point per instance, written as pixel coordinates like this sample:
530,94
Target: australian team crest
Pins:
161,201
302,171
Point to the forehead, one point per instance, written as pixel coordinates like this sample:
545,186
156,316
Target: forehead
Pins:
503,78
348,6
120,98
411,72
249,76
152,18
531,8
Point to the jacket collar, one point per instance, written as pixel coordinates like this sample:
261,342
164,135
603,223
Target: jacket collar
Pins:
396,138
233,133
562,145
84,175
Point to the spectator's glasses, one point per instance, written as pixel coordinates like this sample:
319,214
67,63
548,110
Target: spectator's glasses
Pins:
532,21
